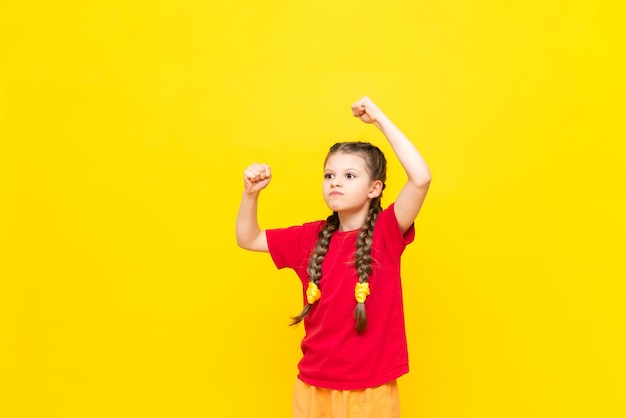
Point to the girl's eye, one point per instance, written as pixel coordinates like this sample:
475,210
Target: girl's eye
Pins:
350,176
328,176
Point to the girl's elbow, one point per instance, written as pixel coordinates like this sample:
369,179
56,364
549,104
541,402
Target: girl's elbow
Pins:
241,240
243,243
252,243
423,182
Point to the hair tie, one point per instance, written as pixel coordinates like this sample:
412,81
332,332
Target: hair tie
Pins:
313,293
361,291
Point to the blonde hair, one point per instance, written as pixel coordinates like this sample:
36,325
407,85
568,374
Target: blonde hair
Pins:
376,167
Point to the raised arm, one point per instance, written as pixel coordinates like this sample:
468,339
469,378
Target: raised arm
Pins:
411,197
249,235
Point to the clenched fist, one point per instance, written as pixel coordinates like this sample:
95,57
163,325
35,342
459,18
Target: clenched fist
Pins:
366,110
256,177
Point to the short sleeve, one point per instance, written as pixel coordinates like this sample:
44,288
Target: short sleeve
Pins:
291,247
389,231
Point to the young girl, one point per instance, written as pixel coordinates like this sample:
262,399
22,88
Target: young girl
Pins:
354,346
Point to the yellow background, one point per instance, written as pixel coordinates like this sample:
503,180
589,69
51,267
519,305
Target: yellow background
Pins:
124,130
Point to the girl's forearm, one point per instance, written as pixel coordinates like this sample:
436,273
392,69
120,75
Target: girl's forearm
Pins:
249,235
412,161
247,228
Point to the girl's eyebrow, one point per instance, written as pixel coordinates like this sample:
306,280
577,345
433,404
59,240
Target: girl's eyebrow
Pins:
345,169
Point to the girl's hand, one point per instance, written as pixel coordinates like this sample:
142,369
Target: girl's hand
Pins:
366,110
256,177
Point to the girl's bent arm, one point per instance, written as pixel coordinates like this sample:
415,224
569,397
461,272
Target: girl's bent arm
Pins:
411,197
249,235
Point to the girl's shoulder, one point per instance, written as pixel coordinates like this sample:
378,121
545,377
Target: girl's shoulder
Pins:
312,227
388,214
388,229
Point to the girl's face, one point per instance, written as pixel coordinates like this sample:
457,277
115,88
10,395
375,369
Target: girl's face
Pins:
347,186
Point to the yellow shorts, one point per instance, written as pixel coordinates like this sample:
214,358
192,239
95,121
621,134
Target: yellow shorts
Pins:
313,402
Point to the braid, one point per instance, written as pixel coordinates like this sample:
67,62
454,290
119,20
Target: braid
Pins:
315,262
363,258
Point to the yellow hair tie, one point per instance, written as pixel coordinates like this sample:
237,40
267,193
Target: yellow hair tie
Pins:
361,291
313,294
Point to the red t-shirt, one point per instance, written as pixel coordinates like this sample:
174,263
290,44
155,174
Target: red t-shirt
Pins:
335,356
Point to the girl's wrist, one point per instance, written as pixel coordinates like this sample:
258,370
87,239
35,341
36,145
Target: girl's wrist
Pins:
382,122
251,194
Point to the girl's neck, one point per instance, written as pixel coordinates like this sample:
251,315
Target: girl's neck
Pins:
351,221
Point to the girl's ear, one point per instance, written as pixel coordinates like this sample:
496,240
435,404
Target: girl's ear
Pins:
376,189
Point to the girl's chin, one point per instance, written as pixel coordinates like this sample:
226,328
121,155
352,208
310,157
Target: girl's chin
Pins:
334,206
341,209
